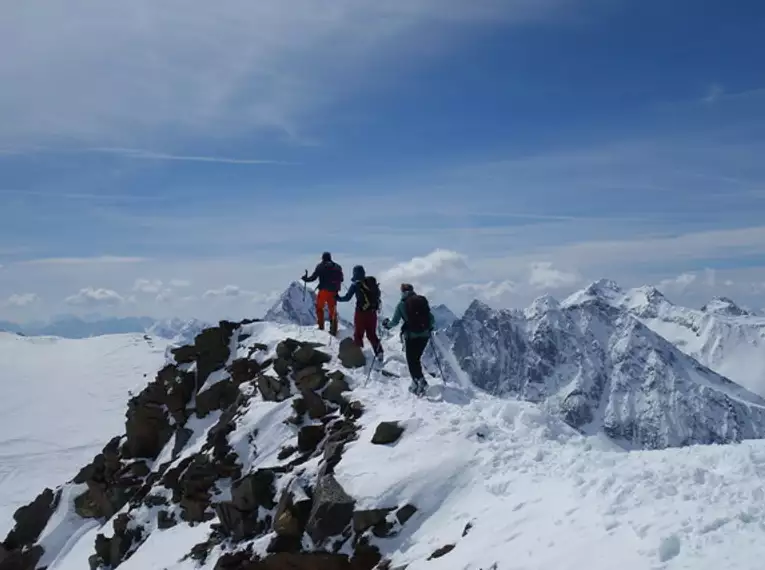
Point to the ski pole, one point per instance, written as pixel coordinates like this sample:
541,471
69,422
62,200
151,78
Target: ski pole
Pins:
435,353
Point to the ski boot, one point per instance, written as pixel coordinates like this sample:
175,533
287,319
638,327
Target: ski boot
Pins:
418,387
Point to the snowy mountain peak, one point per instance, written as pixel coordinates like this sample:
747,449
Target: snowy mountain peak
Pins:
444,316
604,290
477,310
296,306
542,305
724,306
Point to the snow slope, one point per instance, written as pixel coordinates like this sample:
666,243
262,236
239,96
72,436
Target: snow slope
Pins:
600,368
503,482
722,336
60,399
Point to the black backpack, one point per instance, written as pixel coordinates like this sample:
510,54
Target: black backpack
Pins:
417,314
370,291
334,274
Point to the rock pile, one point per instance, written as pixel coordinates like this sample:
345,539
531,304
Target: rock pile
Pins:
156,476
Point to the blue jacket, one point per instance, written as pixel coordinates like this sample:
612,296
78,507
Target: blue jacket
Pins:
323,273
354,289
400,314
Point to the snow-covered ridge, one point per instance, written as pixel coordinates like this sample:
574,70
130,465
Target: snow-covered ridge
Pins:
593,361
249,447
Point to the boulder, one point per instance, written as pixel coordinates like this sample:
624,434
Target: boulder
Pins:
273,389
309,437
286,348
182,437
303,561
292,512
314,405
386,433
405,513
334,390
212,347
243,370
310,378
184,354
332,510
350,354
165,520
235,523
364,520
443,551
147,429
254,490
219,396
307,355
26,559
31,519
281,367
354,410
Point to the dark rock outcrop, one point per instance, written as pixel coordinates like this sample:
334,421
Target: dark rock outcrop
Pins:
254,490
386,433
351,355
332,510
31,520
273,389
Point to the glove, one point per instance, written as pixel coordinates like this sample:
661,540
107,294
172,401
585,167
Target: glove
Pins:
386,323
305,276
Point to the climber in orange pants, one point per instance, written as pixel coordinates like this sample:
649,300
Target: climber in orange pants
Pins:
330,276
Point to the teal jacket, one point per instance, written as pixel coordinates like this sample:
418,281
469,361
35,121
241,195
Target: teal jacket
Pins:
400,313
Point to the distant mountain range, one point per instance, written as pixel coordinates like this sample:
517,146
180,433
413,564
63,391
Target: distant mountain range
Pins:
70,326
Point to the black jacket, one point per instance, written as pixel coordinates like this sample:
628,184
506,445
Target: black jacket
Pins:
329,274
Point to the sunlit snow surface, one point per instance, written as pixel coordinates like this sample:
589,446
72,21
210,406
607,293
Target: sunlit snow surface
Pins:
538,495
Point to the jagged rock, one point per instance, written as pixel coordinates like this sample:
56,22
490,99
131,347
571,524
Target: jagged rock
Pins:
86,507
254,490
354,410
22,559
286,348
3,553
281,367
235,523
31,519
182,437
165,520
139,469
332,510
307,355
234,560
365,556
310,378
350,354
184,354
314,405
292,513
405,513
285,452
467,529
192,490
273,389
334,390
386,433
155,500
147,429
219,396
243,370
443,551
309,437
364,520
212,347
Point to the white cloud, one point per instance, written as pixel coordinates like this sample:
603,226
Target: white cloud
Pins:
263,64
542,275
22,299
91,297
489,291
437,263
147,286
677,284
103,259
227,291
140,154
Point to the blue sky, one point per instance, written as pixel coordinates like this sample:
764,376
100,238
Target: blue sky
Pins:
183,158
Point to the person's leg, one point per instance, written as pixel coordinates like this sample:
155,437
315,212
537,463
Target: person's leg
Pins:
332,304
320,302
417,349
358,329
371,330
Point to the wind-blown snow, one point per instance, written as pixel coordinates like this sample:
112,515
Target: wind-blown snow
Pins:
61,400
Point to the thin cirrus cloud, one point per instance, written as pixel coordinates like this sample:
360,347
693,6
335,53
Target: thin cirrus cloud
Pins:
102,259
262,65
140,154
